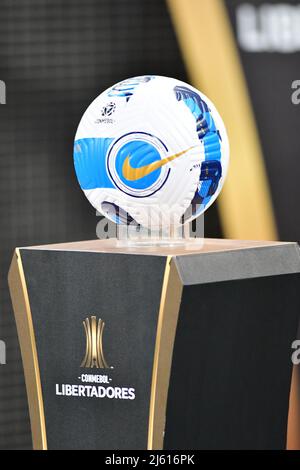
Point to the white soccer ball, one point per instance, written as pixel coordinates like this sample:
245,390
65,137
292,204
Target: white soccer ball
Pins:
151,151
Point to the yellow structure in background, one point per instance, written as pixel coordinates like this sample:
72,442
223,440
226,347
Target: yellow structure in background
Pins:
210,53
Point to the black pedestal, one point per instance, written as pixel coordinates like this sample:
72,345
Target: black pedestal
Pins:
157,348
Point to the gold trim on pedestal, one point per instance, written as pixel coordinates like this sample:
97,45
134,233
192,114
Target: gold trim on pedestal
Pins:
293,428
165,337
21,306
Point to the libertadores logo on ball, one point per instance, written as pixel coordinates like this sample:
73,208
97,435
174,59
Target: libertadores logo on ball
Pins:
163,157
108,109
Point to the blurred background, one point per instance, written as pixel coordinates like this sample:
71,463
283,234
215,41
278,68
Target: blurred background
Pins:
56,57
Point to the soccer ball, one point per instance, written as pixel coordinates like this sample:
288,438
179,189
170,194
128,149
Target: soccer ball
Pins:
151,151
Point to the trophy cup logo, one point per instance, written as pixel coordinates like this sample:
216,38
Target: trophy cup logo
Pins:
94,356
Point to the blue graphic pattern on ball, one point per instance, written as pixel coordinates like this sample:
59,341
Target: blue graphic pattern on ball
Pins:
125,89
211,168
90,162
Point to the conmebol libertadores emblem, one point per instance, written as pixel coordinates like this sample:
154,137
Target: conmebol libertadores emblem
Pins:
94,356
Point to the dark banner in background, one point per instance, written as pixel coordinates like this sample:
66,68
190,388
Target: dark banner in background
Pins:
54,58
268,38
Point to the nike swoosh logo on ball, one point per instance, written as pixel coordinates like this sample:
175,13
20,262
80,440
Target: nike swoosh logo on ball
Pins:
133,174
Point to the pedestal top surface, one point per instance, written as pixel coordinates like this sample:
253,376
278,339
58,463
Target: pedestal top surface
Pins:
206,245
